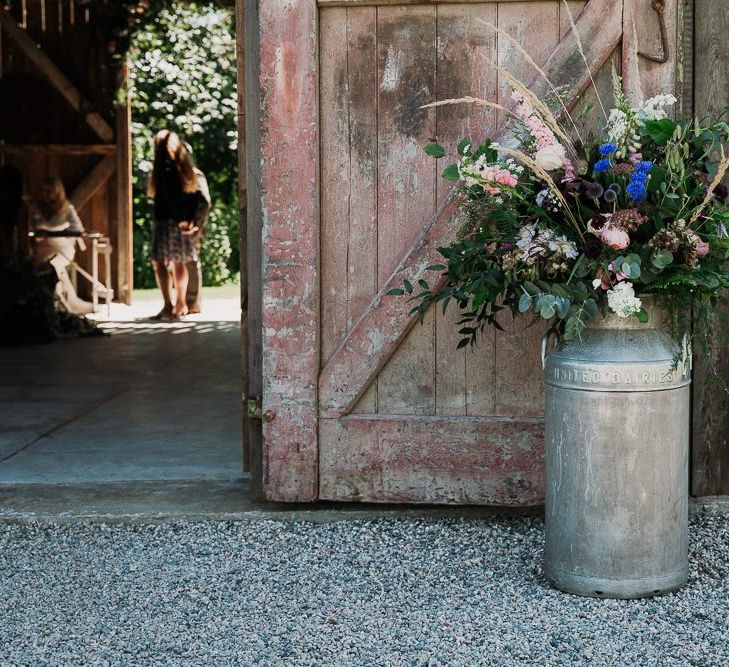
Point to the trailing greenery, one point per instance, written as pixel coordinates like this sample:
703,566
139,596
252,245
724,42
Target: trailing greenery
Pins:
183,78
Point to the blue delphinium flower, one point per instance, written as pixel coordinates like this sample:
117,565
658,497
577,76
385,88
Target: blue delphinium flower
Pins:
602,165
636,188
607,149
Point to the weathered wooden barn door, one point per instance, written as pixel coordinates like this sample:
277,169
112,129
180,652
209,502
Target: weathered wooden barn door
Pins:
358,403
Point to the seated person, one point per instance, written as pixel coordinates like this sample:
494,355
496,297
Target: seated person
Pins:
58,229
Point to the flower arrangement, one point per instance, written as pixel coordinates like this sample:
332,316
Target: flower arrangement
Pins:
561,227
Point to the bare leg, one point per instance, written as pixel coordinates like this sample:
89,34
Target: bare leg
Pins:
163,281
182,277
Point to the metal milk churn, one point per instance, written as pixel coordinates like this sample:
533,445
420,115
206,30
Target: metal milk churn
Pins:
617,439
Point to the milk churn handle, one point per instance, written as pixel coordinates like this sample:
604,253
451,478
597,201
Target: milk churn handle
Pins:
545,341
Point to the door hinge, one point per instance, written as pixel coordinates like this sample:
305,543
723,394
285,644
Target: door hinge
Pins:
254,410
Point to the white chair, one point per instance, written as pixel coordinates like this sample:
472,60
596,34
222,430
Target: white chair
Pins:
99,244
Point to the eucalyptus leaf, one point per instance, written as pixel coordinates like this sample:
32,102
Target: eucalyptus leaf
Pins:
661,258
525,302
531,288
563,308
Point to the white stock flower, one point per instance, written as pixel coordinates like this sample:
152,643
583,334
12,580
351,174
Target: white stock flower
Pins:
551,157
622,300
617,126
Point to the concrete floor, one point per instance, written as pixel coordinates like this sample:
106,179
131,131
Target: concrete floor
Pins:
149,402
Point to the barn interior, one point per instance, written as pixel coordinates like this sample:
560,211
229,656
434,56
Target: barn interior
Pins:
149,401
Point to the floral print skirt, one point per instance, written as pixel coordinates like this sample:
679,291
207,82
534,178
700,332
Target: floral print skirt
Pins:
169,244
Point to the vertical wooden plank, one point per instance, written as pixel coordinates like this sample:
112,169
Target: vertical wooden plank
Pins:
336,160
594,121
464,381
240,49
406,186
710,442
362,254
122,238
290,207
519,382
348,112
249,71
685,70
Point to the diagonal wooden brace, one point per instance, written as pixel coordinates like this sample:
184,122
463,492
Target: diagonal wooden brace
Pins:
54,74
95,179
385,322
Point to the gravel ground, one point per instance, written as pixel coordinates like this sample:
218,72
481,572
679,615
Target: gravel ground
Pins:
385,592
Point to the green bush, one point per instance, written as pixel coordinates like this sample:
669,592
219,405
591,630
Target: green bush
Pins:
183,78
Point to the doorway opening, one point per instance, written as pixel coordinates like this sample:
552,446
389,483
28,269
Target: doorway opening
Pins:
151,400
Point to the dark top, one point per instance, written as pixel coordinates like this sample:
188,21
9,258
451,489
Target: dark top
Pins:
170,202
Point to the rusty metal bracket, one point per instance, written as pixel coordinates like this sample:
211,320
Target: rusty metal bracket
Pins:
659,7
254,410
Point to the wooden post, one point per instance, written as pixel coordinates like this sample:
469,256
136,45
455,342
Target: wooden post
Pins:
123,239
248,39
287,99
710,444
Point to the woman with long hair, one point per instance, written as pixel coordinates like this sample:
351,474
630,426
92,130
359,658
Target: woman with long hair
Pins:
58,230
173,186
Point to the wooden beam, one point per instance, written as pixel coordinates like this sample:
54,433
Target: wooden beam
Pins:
54,74
123,222
57,149
286,94
391,3
388,458
251,239
385,322
96,178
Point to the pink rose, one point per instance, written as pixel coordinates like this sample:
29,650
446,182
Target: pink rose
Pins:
701,248
614,237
